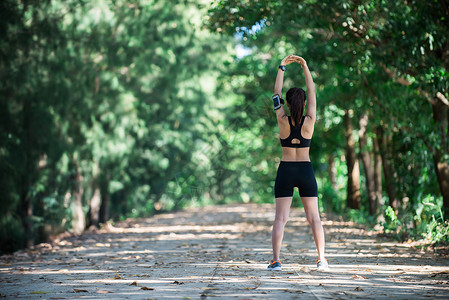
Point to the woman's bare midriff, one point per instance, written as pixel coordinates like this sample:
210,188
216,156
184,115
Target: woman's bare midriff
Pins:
295,154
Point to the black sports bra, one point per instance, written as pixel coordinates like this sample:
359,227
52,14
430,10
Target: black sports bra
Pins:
295,133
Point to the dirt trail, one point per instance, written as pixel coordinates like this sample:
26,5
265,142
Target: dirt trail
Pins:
221,251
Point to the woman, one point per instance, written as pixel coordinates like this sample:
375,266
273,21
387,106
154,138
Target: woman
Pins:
295,169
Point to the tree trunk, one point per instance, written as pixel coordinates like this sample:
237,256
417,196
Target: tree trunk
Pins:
367,165
441,118
78,221
104,208
332,171
377,173
442,170
389,174
95,206
25,196
105,198
27,216
353,191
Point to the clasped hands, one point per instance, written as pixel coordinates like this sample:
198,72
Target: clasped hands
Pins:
293,58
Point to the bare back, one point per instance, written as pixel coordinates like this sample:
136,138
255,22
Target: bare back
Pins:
296,154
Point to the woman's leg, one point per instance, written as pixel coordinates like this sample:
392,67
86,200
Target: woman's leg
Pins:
313,217
280,219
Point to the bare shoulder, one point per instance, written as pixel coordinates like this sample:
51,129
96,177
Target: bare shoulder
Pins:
284,127
282,118
309,120
309,123
283,121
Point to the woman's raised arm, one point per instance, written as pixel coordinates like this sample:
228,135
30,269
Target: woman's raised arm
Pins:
279,82
311,95
280,113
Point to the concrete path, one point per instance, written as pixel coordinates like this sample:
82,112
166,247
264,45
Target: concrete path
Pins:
221,251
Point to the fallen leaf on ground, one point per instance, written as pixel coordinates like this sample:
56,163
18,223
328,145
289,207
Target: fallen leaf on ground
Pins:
80,291
257,284
146,288
207,295
439,273
177,282
104,292
339,293
358,289
305,269
39,292
134,283
117,276
63,271
358,276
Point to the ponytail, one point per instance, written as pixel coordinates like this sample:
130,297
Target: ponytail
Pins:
296,97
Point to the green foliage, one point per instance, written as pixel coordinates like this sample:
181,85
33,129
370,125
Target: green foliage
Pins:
360,216
437,232
425,222
431,224
331,196
391,223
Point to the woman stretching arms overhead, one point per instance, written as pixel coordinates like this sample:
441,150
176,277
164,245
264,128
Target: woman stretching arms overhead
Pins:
295,169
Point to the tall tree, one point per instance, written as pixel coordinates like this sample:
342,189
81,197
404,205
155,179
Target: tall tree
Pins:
367,165
353,194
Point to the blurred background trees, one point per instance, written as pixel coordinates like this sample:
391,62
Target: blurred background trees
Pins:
116,109
107,110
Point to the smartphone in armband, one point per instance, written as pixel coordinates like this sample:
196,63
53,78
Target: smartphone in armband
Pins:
276,101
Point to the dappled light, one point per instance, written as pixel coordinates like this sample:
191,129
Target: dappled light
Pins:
228,258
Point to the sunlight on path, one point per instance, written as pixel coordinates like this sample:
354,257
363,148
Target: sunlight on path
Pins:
221,251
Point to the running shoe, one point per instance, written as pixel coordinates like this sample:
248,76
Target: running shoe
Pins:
274,265
322,265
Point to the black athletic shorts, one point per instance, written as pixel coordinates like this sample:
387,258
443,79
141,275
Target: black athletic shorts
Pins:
295,174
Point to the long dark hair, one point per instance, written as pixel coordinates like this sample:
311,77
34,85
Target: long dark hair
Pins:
296,97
